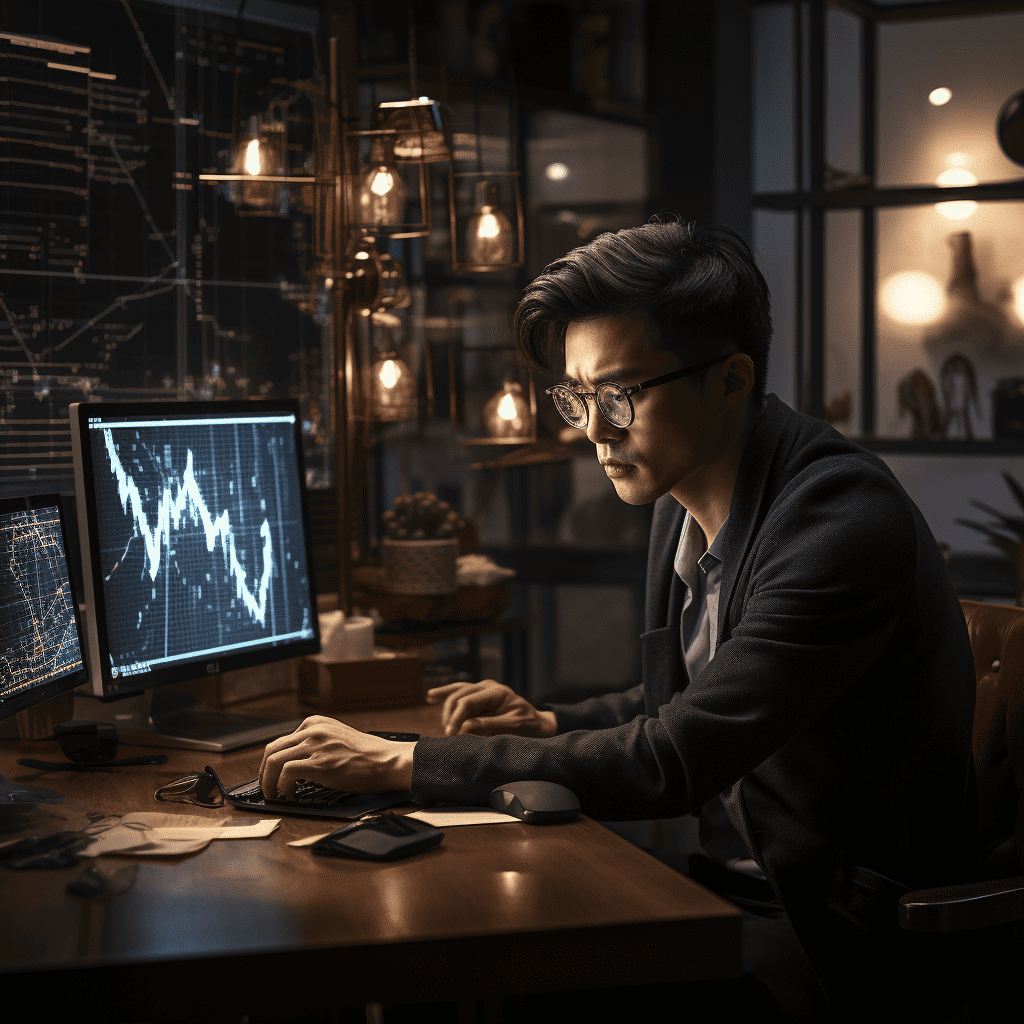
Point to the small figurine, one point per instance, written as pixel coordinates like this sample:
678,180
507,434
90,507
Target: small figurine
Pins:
916,394
959,389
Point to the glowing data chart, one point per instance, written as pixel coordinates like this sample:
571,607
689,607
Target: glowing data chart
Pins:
201,537
38,635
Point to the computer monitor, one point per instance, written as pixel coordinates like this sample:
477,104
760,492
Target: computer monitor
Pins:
40,647
196,555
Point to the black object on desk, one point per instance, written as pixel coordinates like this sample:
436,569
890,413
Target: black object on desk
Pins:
312,800
90,747
386,837
536,802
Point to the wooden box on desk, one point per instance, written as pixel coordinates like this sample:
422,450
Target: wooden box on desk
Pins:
390,679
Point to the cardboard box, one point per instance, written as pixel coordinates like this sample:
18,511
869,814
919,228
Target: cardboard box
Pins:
390,679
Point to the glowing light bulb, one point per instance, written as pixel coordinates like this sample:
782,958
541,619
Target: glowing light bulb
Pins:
488,226
507,408
393,393
489,241
383,182
556,171
507,413
952,177
939,97
252,157
383,193
910,297
1018,297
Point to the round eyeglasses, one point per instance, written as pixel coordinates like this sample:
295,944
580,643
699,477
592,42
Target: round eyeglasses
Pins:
613,399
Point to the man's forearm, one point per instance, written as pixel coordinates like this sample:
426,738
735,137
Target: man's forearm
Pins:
398,772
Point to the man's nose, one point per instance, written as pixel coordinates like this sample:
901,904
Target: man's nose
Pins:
598,428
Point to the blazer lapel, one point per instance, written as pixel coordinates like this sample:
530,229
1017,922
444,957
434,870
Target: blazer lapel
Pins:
663,670
747,498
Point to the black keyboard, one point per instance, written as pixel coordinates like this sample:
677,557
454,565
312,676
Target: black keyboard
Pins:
310,793
312,800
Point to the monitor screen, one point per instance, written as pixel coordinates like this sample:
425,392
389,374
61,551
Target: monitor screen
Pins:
40,650
194,539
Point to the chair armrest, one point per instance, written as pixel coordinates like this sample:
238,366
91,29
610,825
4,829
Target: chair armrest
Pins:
956,908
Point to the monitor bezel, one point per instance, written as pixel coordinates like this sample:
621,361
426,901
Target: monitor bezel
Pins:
103,683
76,677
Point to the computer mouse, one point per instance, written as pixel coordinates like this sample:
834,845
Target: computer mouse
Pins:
535,802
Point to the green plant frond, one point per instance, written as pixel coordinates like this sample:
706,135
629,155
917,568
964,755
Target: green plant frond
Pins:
1016,489
1001,541
1014,522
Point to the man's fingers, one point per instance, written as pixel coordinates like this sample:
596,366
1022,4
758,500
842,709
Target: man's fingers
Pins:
459,707
292,772
492,725
274,764
439,693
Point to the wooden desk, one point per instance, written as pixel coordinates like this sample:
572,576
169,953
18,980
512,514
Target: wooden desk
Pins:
496,909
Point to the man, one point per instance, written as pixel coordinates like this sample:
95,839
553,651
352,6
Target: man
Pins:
808,683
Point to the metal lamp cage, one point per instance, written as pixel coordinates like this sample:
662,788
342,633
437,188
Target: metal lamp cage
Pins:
463,192
360,144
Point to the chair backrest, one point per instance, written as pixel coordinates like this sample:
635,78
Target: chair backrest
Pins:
997,640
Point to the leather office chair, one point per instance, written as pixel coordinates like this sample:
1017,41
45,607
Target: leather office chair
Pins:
984,916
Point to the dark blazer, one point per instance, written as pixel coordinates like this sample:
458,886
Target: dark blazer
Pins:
834,719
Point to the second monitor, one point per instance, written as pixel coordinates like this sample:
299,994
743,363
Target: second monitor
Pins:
195,548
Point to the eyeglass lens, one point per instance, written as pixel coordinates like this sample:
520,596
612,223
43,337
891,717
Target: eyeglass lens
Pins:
614,405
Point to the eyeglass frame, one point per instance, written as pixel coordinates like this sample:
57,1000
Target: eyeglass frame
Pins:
627,393
193,783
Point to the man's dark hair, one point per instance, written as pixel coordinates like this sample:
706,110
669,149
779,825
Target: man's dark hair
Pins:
690,282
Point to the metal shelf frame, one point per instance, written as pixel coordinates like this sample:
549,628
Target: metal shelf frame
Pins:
811,201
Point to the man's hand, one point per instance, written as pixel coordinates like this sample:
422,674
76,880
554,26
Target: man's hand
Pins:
335,755
487,709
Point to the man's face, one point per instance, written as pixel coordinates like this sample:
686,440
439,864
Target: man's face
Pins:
675,430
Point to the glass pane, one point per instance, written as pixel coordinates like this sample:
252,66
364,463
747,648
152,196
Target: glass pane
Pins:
948,288
980,63
775,248
585,176
774,143
842,320
842,114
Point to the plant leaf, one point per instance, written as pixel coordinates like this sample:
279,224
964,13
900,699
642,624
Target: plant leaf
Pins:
1014,522
1015,488
997,538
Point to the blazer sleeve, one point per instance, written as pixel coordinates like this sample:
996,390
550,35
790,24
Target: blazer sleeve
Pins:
603,712
831,577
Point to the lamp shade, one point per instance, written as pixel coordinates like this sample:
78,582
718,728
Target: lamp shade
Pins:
419,131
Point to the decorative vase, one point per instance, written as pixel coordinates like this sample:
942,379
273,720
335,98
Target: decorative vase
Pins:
420,566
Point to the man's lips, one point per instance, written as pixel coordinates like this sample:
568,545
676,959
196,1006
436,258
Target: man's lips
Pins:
614,468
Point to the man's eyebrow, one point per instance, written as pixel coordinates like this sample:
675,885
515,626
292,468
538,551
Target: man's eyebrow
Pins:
615,375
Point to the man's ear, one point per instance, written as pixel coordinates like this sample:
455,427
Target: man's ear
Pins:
739,379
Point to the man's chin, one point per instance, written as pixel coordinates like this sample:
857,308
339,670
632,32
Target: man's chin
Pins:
633,491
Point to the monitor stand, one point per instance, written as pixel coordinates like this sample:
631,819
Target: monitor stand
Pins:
170,716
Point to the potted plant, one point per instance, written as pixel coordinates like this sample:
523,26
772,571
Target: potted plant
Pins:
420,545
1007,533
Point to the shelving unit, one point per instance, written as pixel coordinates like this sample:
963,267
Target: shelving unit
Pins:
812,198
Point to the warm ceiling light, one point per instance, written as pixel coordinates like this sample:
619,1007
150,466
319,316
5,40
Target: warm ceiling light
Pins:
556,171
956,176
939,97
252,157
1018,296
910,297
953,177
